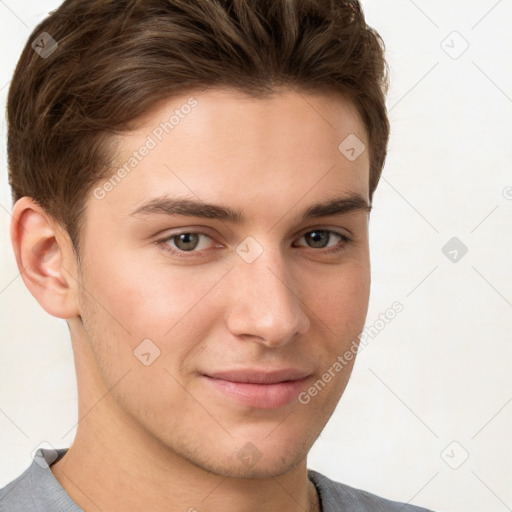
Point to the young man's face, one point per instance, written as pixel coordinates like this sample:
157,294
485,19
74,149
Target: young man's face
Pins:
246,315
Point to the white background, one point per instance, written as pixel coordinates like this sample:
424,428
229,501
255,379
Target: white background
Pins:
439,373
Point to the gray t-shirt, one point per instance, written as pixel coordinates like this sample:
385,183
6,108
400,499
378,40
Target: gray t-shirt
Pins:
37,490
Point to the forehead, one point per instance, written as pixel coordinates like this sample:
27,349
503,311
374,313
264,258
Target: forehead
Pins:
221,143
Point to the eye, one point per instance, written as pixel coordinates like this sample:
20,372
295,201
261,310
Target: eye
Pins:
185,242
190,243
321,238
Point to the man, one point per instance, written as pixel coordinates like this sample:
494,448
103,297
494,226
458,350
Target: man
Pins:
192,185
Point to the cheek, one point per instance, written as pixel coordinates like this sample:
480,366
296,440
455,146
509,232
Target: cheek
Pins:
141,299
341,314
343,303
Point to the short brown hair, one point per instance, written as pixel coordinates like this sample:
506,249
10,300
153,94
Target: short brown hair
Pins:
116,59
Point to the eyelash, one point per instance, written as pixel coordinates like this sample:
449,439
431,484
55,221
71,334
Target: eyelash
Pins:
164,245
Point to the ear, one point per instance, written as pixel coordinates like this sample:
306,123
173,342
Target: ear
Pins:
45,258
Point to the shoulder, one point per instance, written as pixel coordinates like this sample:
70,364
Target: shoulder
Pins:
15,496
36,489
336,496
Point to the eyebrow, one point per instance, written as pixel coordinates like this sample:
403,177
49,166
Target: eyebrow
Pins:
191,208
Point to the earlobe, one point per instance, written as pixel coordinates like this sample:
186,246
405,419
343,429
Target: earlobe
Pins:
43,252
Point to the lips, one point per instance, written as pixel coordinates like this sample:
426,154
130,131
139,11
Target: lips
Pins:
260,389
260,376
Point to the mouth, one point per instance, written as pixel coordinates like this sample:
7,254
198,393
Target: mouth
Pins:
258,388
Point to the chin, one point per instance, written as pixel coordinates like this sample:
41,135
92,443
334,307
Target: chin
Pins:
244,459
264,468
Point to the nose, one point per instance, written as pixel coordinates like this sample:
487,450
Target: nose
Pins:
264,306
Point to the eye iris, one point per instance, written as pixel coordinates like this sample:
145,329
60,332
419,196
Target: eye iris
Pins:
316,238
186,241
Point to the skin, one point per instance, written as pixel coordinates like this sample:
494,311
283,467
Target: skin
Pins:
161,437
